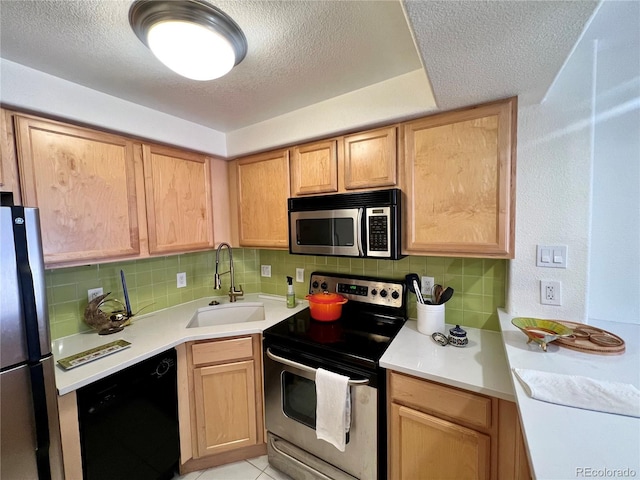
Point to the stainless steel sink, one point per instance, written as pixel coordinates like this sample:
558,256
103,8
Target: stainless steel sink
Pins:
227,313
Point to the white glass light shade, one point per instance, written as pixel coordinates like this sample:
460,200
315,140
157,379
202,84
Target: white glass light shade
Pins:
191,50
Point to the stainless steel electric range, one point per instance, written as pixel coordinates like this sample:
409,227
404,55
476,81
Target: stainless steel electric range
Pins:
350,346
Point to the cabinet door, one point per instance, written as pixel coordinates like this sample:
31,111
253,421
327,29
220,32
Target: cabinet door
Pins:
424,447
263,190
225,407
314,168
178,198
83,182
8,162
370,159
460,182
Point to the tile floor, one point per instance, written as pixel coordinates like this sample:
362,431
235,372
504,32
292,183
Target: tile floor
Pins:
253,469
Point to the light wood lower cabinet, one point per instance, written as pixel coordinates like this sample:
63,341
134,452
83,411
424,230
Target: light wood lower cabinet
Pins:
437,432
220,402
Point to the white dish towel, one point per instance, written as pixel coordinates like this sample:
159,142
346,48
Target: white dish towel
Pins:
581,392
333,410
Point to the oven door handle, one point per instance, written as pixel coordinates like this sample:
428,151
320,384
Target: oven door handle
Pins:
291,363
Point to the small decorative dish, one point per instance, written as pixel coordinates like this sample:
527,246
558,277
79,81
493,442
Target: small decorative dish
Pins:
541,331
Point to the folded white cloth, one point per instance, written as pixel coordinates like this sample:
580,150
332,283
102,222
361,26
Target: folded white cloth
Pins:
581,392
333,410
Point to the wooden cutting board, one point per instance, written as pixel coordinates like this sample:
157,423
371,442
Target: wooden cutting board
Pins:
590,339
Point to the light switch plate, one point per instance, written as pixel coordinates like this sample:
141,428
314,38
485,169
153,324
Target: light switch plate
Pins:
265,270
181,280
300,275
551,256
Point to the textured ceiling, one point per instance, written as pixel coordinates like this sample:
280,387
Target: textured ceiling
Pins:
303,52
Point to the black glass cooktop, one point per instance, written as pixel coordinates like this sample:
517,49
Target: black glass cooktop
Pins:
358,337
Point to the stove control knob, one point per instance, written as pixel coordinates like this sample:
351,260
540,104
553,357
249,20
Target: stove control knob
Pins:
374,292
395,295
383,294
315,284
324,286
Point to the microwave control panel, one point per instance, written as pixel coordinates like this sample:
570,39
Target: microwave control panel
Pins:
388,293
378,233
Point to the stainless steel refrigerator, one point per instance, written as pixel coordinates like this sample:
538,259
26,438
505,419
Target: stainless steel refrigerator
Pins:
29,425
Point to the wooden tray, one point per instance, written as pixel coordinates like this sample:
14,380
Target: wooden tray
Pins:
590,339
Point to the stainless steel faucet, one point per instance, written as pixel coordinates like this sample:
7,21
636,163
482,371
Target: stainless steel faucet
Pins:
233,293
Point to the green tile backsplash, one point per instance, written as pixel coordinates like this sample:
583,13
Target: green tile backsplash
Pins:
479,284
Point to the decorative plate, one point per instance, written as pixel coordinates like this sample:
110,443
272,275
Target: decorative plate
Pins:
541,331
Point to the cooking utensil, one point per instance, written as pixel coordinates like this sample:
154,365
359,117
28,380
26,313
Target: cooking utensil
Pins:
435,293
326,306
413,284
445,296
126,294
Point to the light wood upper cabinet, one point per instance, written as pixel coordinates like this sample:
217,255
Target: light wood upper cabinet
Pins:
362,161
178,199
9,181
262,183
314,168
84,183
370,159
459,180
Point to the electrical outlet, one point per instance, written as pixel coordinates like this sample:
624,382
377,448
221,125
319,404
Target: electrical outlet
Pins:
265,270
181,280
427,285
94,292
300,275
550,292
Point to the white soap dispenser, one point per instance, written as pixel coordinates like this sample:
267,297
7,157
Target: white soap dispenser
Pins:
291,296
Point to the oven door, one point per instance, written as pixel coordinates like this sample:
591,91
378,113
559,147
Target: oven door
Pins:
290,400
326,232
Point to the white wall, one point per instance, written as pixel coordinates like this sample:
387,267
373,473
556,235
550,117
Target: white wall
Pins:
29,89
614,274
404,96
578,152
552,193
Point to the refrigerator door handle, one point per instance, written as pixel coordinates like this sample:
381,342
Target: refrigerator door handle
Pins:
25,280
28,298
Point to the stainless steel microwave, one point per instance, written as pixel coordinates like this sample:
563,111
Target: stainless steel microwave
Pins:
366,224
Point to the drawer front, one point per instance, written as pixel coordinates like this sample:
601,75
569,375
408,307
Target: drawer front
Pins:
431,397
222,351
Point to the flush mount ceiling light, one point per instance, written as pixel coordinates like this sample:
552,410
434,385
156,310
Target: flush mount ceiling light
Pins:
192,38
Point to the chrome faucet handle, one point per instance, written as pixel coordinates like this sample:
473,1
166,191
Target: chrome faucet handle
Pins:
233,293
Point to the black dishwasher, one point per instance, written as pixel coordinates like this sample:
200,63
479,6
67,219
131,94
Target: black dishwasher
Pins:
129,422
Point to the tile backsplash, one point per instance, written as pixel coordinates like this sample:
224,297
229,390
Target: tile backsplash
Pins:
479,284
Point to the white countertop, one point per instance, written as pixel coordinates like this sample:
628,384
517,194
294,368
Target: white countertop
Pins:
156,332
563,440
479,367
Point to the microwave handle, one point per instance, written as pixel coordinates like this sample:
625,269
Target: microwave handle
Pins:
359,231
